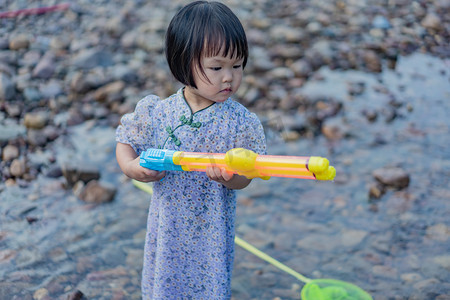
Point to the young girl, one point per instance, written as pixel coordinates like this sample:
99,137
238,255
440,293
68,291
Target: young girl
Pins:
189,247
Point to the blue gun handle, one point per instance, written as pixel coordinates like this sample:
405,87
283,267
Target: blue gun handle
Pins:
159,160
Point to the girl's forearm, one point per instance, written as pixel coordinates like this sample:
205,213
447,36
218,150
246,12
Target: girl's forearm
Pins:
124,154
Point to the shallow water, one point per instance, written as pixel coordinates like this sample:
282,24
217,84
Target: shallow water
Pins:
396,247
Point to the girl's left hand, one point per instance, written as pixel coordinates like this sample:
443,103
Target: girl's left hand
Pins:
219,174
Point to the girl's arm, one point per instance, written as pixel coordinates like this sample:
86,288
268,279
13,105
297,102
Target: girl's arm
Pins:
129,163
230,180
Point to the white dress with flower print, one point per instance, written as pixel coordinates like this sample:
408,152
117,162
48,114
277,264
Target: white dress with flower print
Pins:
189,247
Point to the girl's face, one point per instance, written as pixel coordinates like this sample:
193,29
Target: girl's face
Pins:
224,75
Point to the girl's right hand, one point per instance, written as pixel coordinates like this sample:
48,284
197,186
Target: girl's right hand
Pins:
135,171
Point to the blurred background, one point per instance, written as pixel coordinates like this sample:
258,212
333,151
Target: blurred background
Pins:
365,83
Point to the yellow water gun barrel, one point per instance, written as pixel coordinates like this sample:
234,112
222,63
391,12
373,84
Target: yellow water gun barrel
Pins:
241,161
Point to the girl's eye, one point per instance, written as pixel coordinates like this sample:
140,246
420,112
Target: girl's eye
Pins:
216,68
236,66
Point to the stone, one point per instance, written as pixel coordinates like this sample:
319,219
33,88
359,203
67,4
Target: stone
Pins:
301,68
432,21
18,42
18,167
40,294
10,152
392,177
77,295
96,192
36,120
376,190
36,137
439,232
46,67
51,89
7,88
109,92
372,61
79,172
91,58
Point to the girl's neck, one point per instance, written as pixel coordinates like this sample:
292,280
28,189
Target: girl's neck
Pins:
194,100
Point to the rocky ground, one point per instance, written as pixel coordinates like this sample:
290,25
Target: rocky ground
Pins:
90,63
94,61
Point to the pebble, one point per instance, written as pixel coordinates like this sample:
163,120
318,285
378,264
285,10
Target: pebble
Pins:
10,152
392,177
41,294
432,21
37,120
96,192
79,172
46,67
7,88
18,42
18,167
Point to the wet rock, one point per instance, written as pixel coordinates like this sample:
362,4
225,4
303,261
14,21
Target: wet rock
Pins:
124,73
46,67
372,61
376,190
392,177
91,58
439,232
7,254
10,131
282,33
356,88
385,271
411,277
10,152
31,94
7,88
77,295
96,192
51,89
18,42
443,261
80,172
381,22
281,73
18,167
265,279
35,137
110,92
351,238
370,114
432,21
301,68
107,274
335,129
36,120
41,294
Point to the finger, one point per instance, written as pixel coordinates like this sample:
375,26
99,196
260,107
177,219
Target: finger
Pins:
161,175
226,175
213,173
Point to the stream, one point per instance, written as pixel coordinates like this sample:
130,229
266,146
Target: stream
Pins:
396,246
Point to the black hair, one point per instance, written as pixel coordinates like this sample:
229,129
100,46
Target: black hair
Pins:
202,27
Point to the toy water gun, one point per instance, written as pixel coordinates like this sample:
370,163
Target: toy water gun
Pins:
240,161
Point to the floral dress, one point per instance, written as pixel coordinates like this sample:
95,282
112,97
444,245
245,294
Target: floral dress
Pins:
189,246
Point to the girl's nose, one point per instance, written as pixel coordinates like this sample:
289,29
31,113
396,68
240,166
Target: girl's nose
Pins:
227,76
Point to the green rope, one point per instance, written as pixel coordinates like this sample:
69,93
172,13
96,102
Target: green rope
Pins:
240,242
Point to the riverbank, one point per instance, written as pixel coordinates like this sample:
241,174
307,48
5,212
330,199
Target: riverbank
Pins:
362,83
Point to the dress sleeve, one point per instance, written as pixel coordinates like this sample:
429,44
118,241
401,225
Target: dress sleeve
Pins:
136,128
251,134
